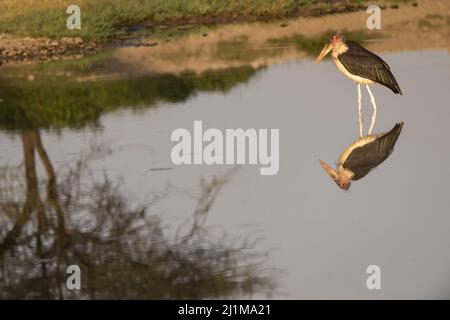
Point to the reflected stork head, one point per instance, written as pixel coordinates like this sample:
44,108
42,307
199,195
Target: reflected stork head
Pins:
336,40
342,181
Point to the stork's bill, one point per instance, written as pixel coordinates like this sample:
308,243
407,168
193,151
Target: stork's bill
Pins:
325,50
343,181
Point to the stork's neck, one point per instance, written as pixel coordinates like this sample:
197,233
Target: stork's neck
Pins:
339,49
344,173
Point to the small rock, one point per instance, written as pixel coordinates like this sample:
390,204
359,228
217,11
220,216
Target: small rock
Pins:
283,25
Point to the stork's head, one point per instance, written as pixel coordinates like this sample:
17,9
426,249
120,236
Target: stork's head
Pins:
342,181
335,42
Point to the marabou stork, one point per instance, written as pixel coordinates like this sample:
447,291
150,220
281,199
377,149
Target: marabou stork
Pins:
362,156
361,66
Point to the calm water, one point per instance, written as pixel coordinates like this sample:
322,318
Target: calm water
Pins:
86,178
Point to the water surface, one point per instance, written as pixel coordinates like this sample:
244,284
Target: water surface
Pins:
107,196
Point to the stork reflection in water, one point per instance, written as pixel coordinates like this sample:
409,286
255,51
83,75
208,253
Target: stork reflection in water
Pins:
361,66
362,156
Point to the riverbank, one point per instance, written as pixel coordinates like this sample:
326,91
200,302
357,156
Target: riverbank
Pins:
32,31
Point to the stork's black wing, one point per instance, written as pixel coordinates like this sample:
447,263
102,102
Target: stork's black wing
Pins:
361,62
363,159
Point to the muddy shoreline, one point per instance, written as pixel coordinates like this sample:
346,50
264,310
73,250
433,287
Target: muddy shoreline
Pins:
25,49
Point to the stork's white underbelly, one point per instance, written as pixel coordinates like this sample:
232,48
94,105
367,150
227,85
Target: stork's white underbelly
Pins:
353,77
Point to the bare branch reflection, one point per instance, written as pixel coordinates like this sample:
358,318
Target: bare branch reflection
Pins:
70,217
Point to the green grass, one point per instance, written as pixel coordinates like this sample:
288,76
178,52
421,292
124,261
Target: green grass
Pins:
109,19
53,103
105,19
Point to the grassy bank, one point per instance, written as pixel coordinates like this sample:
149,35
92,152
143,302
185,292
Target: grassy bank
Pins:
55,103
110,19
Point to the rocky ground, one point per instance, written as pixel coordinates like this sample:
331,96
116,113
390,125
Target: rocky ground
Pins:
15,49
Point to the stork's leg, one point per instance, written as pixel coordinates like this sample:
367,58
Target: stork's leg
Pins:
374,115
360,117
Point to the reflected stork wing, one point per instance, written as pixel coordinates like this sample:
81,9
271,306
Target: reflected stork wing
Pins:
363,159
361,62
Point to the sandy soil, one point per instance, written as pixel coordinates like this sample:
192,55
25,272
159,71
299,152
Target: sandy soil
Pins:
426,26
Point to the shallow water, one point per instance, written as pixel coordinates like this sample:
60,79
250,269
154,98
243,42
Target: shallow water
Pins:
295,234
